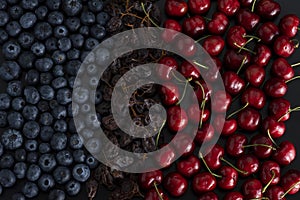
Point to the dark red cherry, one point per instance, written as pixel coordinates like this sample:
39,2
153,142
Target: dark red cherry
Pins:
284,46
275,192
199,92
213,73
249,119
248,163
255,75
186,46
166,156
208,196
194,114
225,126
204,182
246,3
233,196
205,133
279,108
236,37
169,94
252,189
189,70
177,118
229,178
175,184
189,166
269,173
214,45
285,154
233,83
275,128
183,144
268,9
164,73
235,144
255,97
249,20
153,195
228,7
221,101
194,26
213,157
233,60
282,69
218,24
267,32
263,55
261,151
176,8
148,179
275,87
289,181
199,7
172,29
289,25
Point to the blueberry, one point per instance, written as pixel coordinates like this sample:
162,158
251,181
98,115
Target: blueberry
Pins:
30,190
98,97
64,158
81,172
73,23
30,112
73,188
26,59
5,101
3,4
72,7
46,133
28,20
59,141
47,92
32,77
31,129
73,110
75,142
84,30
64,44
46,78
11,50
43,64
42,30
47,162
90,44
29,4
77,40
12,2
71,81
91,162
9,70
43,106
98,31
18,196
7,178
58,71
46,182
20,169
55,18
31,94
6,161
59,112
95,5
13,28
32,157
59,57
73,54
60,126
15,12
44,148
46,119
31,145
20,155
4,18
87,18
61,31
14,88
41,12
3,119
15,120
64,96
38,49
51,44
72,67
3,36
53,4
33,172
79,156
61,175
1,189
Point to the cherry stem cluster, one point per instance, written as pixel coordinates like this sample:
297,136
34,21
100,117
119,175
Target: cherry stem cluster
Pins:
231,165
242,65
184,91
290,110
244,48
209,170
148,16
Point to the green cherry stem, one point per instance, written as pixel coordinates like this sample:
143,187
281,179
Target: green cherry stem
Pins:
253,6
293,186
248,41
159,132
200,65
296,77
184,91
296,43
244,48
209,170
207,19
261,198
253,37
260,145
202,104
147,14
157,191
271,138
242,65
290,110
239,110
231,165
295,65
202,38
177,78
269,183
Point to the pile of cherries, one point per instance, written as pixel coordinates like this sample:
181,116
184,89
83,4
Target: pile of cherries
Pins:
252,43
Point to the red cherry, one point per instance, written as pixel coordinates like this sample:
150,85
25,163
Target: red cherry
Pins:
221,101
246,3
204,182
275,128
189,166
235,144
255,75
282,69
289,25
194,114
208,196
229,178
285,154
248,163
275,192
213,45
233,83
279,108
148,179
175,184
234,60
233,196
183,144
186,46
228,7
177,118
247,19
269,173
289,181
212,159
252,189
205,133
189,70
194,26
268,9
225,127
275,87
267,32
176,8
284,46
172,29
255,97
249,119
166,157
218,24
236,37
153,195
261,151
213,72
199,91
199,7
263,55
169,93
164,73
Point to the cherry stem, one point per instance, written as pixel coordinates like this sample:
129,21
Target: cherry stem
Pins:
244,48
147,14
296,77
200,65
207,18
248,41
271,138
296,43
202,38
184,91
253,6
157,191
295,65
237,96
202,104
298,28
290,110
253,37
260,145
293,186
239,110
159,132
242,65
261,198
209,170
176,77
269,183
231,165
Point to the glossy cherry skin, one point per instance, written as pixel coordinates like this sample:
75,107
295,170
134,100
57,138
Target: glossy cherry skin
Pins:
229,178
248,163
183,144
247,19
275,192
233,83
194,26
282,69
176,8
166,157
221,101
289,179
228,7
213,73
225,126
199,7
188,70
255,75
276,129
236,37
275,87
249,119
268,9
267,32
214,45
218,24
148,179
194,114
164,73
176,118
283,46
199,92
233,60
205,134
279,108
189,166
175,184
234,196
153,195
255,97
263,55
186,46
267,170
288,25
213,157
208,196
204,182
235,144
252,189
260,151
246,3
169,94
172,29
285,154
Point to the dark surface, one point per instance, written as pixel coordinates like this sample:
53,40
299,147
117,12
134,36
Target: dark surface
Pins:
292,125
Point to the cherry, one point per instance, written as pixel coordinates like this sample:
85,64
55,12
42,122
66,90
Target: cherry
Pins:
194,114
202,88
169,93
289,25
222,101
213,72
229,178
213,158
177,118
284,46
273,127
228,7
189,70
194,26
282,69
255,75
199,7
164,73
148,179
268,9
267,32
208,196
183,144
246,3
225,127
247,19
218,24
279,108
269,173
275,192
176,8
213,45
262,146
252,189
189,166
236,37
249,119
233,83
175,184
204,182
255,97
290,182
205,133
263,55
166,157
233,60
285,154
235,144
248,163
275,87
172,29
156,194
186,46
234,196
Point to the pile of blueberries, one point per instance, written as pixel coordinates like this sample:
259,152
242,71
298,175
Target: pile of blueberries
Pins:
43,45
